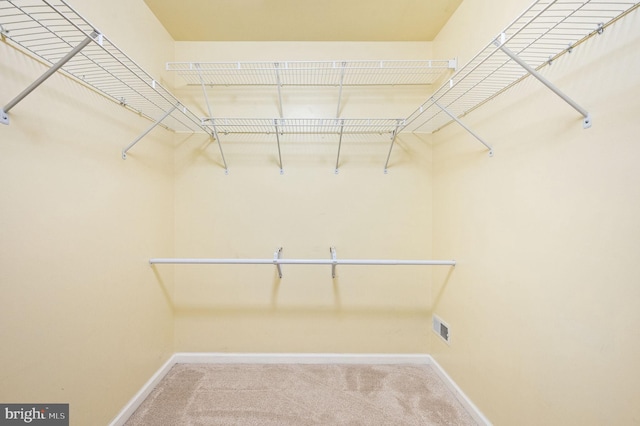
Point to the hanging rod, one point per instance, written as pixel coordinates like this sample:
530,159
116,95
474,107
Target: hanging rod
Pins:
545,31
50,29
277,261
206,261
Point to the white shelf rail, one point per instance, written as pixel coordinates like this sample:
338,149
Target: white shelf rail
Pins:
277,261
54,33
313,73
318,126
307,126
544,32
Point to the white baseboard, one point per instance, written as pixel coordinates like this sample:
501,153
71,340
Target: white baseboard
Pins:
298,358
142,394
471,408
294,358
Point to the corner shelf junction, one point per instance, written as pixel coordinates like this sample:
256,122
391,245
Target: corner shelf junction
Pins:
56,34
53,32
277,261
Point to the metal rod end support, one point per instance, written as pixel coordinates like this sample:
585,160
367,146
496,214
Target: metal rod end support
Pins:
124,154
586,123
4,117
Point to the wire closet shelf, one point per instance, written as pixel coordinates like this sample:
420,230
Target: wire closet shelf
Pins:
313,73
544,32
50,29
309,126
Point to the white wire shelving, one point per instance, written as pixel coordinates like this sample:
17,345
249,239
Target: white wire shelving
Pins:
544,32
309,73
279,127
547,30
301,126
313,73
57,35
54,33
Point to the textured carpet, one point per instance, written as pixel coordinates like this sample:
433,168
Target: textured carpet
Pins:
249,394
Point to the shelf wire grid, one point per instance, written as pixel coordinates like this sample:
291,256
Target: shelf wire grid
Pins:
313,73
304,125
544,32
49,29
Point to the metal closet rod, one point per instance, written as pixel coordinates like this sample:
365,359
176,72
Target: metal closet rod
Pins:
200,261
277,261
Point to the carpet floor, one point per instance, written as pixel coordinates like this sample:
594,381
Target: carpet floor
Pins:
300,394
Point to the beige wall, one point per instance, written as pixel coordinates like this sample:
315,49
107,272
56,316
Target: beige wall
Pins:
361,211
83,318
543,304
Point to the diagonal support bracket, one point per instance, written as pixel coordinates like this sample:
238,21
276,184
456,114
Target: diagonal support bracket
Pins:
213,123
279,84
153,126
499,42
276,258
464,126
334,261
275,123
4,113
393,140
342,70
339,144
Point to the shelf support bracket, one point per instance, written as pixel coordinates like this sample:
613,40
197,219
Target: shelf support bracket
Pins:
213,122
344,66
277,65
586,123
394,134
153,126
276,258
4,117
339,144
464,126
334,261
275,123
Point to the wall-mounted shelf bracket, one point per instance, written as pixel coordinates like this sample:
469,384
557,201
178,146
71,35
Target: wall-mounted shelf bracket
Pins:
394,134
464,126
339,144
500,41
279,85
4,117
275,123
213,123
153,126
344,67
276,258
334,260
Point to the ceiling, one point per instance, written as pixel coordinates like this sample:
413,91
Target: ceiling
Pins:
303,20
